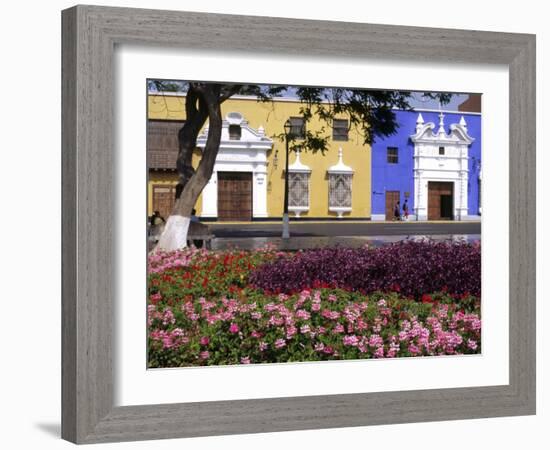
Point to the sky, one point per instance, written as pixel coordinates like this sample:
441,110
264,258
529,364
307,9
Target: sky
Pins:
419,102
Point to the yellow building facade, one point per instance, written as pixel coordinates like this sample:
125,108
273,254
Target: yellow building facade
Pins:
250,165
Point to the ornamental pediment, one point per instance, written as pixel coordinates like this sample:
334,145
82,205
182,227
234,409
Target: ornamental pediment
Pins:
237,133
426,133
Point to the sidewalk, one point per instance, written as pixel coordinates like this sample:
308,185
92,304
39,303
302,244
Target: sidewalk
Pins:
337,221
309,242
361,229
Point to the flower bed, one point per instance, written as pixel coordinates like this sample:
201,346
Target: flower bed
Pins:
411,268
202,310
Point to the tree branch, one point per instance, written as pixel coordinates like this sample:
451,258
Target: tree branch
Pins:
229,92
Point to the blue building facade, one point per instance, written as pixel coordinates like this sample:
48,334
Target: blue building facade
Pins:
433,162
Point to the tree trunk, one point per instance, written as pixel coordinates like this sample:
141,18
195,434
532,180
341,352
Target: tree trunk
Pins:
196,113
191,182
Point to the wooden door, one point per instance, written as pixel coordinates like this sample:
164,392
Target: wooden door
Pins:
235,196
392,197
164,197
440,200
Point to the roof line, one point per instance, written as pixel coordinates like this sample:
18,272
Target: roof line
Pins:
291,100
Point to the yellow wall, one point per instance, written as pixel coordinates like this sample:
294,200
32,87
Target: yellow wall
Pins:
272,116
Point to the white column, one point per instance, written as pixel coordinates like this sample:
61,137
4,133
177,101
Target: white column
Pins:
259,194
480,191
464,195
463,182
423,199
210,197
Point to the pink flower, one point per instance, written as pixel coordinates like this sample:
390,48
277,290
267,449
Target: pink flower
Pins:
263,346
339,328
290,332
376,340
155,298
283,297
328,314
328,350
351,340
332,298
168,317
413,349
233,328
379,353
304,329
472,345
204,355
280,343
256,334
167,341
245,360
277,321
205,340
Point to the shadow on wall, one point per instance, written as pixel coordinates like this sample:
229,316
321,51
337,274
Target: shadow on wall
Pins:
53,429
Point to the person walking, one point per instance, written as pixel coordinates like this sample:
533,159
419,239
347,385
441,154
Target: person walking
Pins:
406,210
397,212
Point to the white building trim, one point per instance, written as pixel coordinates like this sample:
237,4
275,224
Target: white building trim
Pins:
430,165
338,170
480,191
246,154
298,167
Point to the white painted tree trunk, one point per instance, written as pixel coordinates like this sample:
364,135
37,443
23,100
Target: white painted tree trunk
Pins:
174,236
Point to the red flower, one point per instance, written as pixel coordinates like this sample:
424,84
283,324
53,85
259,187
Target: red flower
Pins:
426,298
395,287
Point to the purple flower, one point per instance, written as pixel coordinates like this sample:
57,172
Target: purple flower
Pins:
407,267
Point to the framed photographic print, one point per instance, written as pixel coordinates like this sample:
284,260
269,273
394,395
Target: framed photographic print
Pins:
263,230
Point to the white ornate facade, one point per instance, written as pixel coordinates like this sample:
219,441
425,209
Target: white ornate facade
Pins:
245,151
298,186
441,157
339,190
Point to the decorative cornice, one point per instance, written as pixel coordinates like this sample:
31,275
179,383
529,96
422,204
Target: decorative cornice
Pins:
425,133
297,166
340,167
251,139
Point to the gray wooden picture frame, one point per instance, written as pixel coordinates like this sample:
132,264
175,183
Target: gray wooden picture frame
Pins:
89,37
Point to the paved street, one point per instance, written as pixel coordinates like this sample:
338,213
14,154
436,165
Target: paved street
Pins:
326,234
316,229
